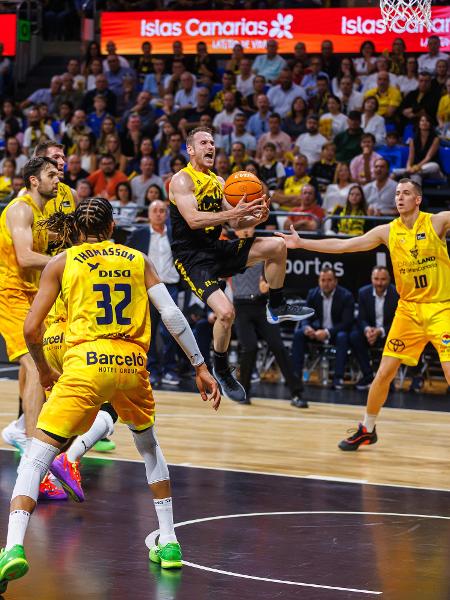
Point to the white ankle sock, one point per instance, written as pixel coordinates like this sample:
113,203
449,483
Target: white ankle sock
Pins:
101,427
20,423
164,513
369,422
17,527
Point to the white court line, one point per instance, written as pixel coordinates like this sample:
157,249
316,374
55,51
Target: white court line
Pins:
150,540
11,368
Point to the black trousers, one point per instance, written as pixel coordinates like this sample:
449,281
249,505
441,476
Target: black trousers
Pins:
250,325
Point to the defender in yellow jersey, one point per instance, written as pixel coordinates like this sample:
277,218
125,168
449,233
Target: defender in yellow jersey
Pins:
421,264
106,290
198,211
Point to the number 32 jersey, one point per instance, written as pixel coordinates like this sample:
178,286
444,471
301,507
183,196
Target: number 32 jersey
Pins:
103,289
420,261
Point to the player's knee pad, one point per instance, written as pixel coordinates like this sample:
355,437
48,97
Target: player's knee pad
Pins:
155,463
106,417
33,466
107,407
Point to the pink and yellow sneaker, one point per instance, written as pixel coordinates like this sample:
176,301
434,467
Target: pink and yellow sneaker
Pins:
69,475
48,490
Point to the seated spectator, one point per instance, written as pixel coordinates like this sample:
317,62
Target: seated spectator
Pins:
388,95
204,64
239,134
101,87
324,169
427,62
307,204
124,209
35,132
43,114
419,101
365,64
333,306
259,87
245,77
86,151
318,104
233,64
337,192
106,178
144,63
288,191
8,170
332,122
282,140
330,62
74,69
223,122
346,69
93,70
438,83
74,172
348,143
177,163
271,170
309,81
108,128
423,156
17,184
8,112
132,135
111,51
222,166
94,119
155,241
300,55
258,123
186,96
172,82
310,143
377,304
228,85
145,149
191,116
154,192
14,150
282,95
62,120
140,183
68,93
144,109
382,66
380,193
93,52
294,124
397,57
178,54
410,81
75,130
443,112
355,207
269,65
154,81
238,157
349,97
371,122
84,190
173,149
47,95
128,98
362,167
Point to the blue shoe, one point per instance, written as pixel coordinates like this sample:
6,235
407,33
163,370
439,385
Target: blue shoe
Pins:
230,387
288,312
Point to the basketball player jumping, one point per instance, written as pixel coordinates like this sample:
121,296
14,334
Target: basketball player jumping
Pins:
416,242
197,212
105,288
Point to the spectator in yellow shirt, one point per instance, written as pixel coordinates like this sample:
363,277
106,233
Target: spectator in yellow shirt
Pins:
289,196
443,112
388,96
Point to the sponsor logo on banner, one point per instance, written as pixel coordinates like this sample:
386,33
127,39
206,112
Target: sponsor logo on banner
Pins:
347,28
396,345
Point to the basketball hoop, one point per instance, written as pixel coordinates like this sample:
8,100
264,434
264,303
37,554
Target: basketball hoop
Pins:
398,15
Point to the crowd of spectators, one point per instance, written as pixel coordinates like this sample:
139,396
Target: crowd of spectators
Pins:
326,134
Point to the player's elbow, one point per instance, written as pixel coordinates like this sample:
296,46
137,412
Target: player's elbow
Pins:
25,260
31,330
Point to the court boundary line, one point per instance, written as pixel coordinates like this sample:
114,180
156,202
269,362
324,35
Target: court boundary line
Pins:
273,474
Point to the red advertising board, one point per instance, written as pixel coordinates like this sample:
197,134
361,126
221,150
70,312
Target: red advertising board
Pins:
8,25
221,29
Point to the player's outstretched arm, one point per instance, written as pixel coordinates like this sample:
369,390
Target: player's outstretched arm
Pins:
371,239
178,327
181,191
19,220
33,329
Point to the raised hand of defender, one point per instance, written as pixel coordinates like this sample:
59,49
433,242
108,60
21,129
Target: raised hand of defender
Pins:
207,386
48,378
292,240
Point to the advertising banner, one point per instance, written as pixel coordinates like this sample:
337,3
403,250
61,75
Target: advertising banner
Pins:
8,25
222,29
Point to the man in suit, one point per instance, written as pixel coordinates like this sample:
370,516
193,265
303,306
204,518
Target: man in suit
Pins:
377,304
333,306
154,241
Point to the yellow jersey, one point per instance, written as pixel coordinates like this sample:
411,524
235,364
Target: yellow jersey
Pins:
103,290
63,200
12,275
57,312
208,193
420,261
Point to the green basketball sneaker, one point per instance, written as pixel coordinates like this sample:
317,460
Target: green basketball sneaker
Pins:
168,556
13,564
104,445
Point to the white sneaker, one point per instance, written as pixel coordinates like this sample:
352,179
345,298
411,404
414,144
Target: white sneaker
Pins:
15,436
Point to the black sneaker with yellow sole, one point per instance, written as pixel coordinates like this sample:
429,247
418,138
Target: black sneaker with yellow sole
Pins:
361,437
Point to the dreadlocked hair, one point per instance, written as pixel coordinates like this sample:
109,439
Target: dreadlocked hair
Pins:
91,218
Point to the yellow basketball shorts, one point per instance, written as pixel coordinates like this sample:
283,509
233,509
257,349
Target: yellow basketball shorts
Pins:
14,307
54,344
415,324
93,373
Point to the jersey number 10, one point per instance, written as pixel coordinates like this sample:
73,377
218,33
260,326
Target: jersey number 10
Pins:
420,282
106,303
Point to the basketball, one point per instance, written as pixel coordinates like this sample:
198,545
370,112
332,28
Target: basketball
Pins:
240,183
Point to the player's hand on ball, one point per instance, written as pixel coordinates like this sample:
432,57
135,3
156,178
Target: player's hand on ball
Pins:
207,386
292,240
49,378
247,209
